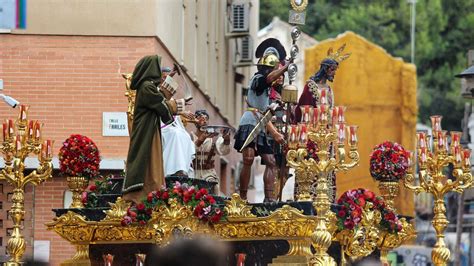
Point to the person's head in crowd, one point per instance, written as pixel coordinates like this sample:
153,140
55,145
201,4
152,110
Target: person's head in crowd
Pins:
189,252
32,262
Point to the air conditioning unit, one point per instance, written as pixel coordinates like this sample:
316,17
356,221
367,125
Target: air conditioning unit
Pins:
237,22
244,51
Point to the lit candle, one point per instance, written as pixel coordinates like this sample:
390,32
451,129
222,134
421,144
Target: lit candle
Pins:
10,128
457,154
324,116
49,149
293,137
334,116
423,155
315,117
341,133
441,140
42,154
467,158
18,143
421,139
436,123
306,111
323,97
455,138
30,129
302,135
37,130
340,114
5,131
23,109
445,140
409,159
353,135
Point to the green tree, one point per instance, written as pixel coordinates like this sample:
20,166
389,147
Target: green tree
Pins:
444,33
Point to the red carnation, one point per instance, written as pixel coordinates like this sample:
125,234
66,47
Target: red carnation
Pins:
361,201
149,211
211,199
140,206
198,195
341,213
92,187
349,224
142,222
215,218
133,214
165,195
203,191
356,213
149,198
389,216
369,195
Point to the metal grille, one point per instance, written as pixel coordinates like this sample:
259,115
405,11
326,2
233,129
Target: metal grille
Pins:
246,52
239,17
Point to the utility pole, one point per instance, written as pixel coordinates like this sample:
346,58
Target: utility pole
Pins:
413,25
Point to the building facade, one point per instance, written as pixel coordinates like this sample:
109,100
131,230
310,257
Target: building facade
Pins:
67,67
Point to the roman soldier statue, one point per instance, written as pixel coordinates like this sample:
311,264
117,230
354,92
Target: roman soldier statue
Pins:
270,53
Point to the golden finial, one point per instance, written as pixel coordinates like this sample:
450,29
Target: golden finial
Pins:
338,56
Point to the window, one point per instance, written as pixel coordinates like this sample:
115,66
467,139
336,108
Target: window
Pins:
1,205
1,188
1,241
9,231
1,224
9,196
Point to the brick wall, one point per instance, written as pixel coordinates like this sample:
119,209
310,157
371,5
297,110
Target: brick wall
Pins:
68,82
49,195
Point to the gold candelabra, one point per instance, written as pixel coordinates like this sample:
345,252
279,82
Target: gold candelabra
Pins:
326,128
432,160
20,139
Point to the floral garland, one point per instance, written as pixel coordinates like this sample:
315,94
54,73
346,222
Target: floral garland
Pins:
203,204
388,162
90,197
352,204
79,156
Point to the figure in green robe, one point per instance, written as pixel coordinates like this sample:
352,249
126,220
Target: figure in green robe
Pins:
144,170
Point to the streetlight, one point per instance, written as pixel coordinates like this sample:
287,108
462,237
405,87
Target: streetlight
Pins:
412,30
467,82
467,92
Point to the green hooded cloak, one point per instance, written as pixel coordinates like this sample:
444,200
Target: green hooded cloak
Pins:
150,108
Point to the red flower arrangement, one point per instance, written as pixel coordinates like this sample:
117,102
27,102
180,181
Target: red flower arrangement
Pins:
353,202
203,204
388,162
79,156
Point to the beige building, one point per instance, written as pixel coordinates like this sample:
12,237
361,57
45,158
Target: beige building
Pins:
67,67
281,30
